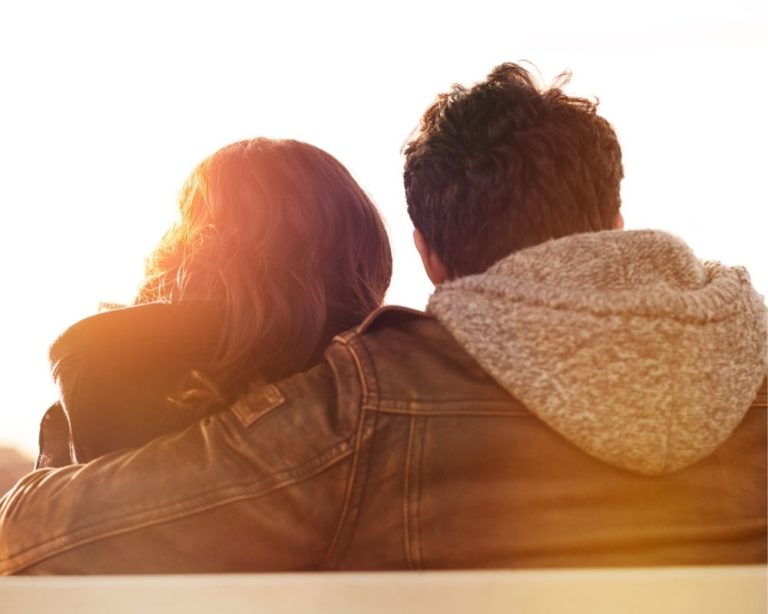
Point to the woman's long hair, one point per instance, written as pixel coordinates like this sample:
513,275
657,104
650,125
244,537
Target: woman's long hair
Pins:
279,236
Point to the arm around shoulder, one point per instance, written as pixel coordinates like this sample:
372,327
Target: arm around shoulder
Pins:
258,487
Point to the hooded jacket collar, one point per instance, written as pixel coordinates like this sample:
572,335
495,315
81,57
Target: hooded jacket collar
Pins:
622,341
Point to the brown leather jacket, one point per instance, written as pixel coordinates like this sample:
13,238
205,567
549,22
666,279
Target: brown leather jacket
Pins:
397,452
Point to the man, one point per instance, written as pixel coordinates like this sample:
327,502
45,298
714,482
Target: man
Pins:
577,395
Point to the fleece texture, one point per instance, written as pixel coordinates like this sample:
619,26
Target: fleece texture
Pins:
622,341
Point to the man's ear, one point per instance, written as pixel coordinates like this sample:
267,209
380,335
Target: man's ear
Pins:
434,267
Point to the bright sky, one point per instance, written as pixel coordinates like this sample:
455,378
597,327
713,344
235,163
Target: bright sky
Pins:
105,108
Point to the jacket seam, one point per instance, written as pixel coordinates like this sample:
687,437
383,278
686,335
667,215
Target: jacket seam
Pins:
412,500
419,478
347,494
49,549
446,413
355,460
387,403
407,495
374,316
367,374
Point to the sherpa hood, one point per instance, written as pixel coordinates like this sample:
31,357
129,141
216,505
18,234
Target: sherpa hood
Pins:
622,341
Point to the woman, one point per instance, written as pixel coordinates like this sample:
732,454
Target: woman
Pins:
277,250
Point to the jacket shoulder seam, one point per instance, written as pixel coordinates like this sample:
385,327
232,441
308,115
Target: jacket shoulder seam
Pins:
389,310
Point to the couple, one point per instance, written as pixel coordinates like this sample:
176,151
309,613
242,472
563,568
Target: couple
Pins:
575,394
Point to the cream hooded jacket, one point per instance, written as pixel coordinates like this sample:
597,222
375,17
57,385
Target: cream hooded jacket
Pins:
622,341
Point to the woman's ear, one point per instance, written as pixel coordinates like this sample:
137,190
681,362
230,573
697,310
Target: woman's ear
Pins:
434,267
619,224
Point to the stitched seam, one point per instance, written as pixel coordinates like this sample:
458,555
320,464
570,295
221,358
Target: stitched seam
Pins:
448,412
375,315
343,338
348,494
363,361
400,403
30,557
406,496
201,500
355,462
361,371
361,475
417,515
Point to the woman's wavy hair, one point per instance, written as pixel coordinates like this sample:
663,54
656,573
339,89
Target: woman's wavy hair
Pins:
280,237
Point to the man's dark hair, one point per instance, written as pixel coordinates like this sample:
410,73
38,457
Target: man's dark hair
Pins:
504,165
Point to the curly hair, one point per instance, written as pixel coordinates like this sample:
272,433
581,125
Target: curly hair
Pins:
505,164
280,237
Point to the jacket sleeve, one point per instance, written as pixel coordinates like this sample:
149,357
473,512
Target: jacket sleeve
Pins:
260,486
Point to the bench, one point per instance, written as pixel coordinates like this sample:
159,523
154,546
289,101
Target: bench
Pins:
673,590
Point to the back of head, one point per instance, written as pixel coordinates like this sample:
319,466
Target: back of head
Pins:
279,235
505,165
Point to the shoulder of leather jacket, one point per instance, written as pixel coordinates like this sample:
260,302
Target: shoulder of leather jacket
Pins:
391,315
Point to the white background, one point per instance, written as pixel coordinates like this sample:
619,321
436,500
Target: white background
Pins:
105,107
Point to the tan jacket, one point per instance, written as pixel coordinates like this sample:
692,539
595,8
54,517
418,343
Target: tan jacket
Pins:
397,452
400,451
